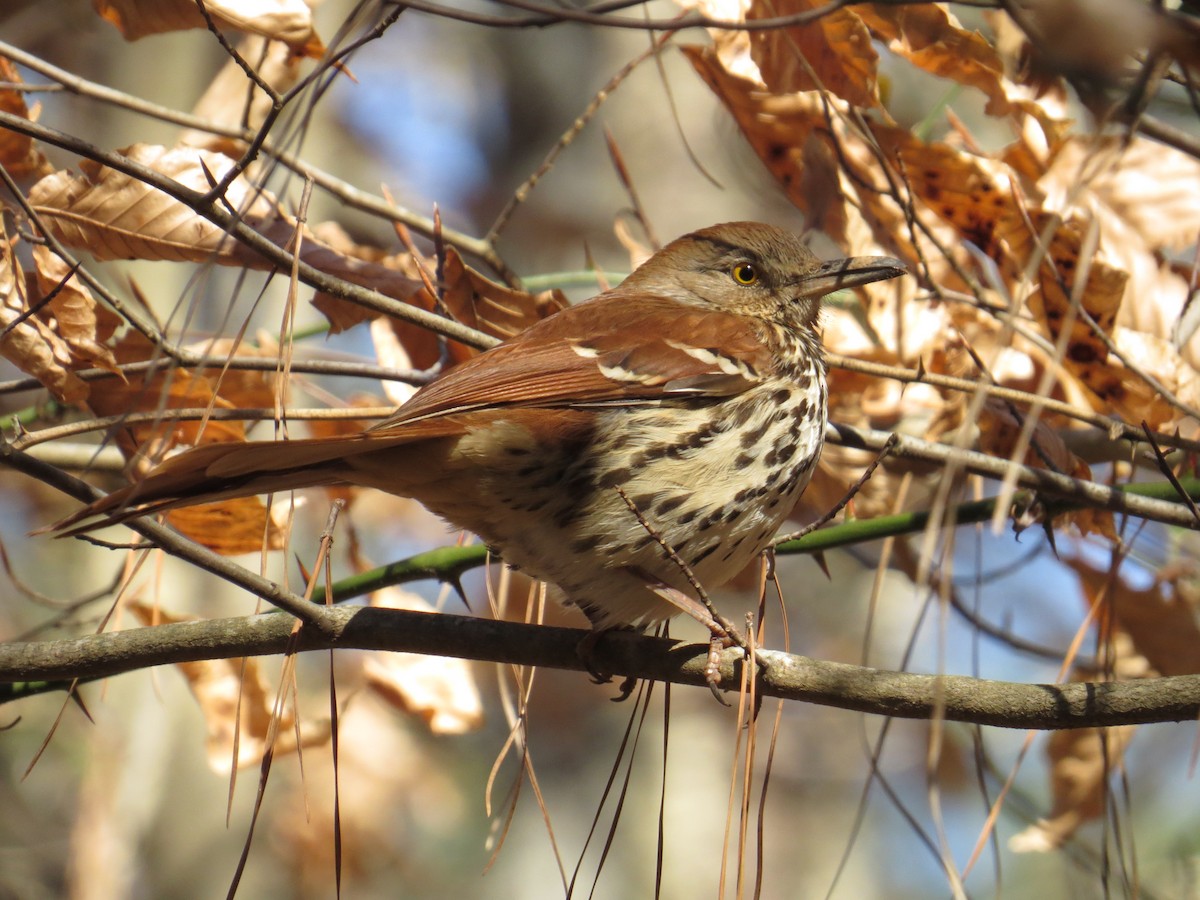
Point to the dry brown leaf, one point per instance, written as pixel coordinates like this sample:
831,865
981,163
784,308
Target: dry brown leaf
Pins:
217,685
396,275
1148,636
244,388
28,342
441,691
234,101
18,154
78,320
1152,188
932,39
1080,760
469,297
968,191
1145,198
230,527
490,307
834,53
1162,629
777,126
289,21
999,429
115,216
391,353
165,389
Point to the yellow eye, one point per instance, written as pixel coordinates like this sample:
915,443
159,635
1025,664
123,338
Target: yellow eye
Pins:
744,273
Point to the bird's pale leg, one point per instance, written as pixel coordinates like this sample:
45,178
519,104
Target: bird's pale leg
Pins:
722,634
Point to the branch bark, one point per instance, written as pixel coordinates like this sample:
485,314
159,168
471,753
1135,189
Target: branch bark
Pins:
36,667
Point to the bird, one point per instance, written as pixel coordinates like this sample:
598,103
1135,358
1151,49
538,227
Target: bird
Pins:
628,449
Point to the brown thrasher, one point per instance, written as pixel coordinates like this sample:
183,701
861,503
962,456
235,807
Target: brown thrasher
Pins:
697,387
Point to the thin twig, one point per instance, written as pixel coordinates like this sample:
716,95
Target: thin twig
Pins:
841,504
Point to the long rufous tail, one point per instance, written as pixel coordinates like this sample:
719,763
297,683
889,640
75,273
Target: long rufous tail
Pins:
224,471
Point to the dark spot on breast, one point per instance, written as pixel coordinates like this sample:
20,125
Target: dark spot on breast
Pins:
643,502
671,503
754,435
614,477
743,412
566,515
780,396
743,460
703,555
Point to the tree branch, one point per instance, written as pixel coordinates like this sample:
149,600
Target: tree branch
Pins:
36,667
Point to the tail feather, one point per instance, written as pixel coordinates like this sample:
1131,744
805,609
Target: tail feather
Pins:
226,471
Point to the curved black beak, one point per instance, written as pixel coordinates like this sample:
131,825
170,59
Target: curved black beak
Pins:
839,274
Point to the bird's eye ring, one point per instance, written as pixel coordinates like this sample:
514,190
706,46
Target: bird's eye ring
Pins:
744,274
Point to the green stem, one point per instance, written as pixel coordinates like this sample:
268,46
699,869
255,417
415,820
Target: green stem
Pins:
448,564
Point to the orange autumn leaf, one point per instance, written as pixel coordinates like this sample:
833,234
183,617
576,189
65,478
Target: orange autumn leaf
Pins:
18,153
29,343
86,326
488,306
289,21
832,53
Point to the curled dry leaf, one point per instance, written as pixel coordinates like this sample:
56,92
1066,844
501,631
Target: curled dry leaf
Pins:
932,39
438,690
78,320
230,527
490,307
1146,198
218,685
25,340
396,275
18,154
114,216
1150,632
1161,624
1080,762
234,101
833,53
289,21
468,296
1000,427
